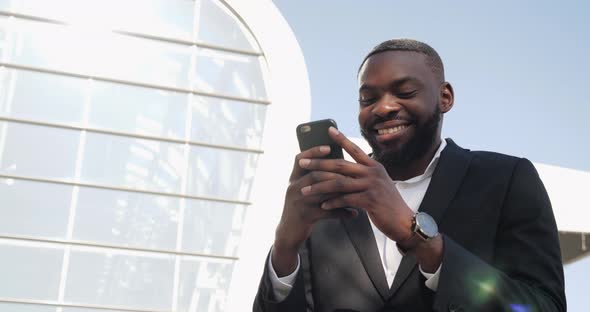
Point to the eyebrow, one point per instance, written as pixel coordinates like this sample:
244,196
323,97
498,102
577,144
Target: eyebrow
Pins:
393,84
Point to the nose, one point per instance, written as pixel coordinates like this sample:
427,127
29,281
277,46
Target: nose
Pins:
387,106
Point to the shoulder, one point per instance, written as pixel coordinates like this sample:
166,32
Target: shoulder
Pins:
492,164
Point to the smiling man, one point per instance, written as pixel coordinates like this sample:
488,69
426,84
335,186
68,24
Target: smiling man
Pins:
436,228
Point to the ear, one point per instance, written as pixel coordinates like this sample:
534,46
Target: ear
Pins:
447,97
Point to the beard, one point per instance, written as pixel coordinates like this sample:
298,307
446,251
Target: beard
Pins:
416,147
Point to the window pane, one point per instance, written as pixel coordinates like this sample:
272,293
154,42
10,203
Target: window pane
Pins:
135,163
60,99
27,150
138,110
15,307
221,173
225,122
5,5
229,74
126,219
34,209
41,97
120,280
171,18
219,26
204,285
103,54
4,39
212,227
29,272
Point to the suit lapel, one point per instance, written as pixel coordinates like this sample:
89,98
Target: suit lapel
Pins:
362,237
446,180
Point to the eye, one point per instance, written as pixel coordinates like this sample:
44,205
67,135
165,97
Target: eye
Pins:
367,99
407,95
367,102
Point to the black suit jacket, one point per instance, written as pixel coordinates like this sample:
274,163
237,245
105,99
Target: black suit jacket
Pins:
501,249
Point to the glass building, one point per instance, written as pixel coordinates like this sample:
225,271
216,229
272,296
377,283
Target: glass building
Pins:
134,136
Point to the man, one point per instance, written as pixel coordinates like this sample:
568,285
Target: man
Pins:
437,227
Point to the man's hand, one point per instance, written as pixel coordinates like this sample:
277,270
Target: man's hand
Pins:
364,184
367,185
301,212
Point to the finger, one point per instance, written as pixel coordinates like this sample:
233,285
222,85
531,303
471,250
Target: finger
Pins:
352,149
314,152
312,177
342,201
340,166
338,185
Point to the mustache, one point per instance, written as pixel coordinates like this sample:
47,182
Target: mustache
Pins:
378,119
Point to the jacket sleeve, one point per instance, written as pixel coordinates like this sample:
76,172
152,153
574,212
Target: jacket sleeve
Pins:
265,300
526,273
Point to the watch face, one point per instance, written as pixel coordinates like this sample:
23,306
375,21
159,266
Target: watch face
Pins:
427,224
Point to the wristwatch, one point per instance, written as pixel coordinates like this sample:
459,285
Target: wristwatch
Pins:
423,228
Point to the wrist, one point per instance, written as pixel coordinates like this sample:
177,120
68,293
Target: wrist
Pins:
429,254
424,241
288,239
284,261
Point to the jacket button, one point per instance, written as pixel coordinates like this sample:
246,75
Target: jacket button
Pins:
453,307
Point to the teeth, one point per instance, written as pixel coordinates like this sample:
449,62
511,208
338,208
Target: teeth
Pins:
391,130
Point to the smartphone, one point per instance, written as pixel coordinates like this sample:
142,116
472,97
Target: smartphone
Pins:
315,133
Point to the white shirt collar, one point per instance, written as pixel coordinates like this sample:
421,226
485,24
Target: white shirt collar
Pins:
430,168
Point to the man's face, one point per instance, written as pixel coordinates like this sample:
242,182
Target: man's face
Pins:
399,106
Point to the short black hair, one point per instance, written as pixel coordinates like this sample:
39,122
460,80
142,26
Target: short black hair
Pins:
432,58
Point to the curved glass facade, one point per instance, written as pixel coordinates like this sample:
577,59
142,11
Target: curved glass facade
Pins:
129,138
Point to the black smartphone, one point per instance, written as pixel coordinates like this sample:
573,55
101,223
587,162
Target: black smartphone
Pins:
315,133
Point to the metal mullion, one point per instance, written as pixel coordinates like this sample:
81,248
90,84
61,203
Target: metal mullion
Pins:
31,18
78,243
124,189
134,83
188,43
76,305
137,35
75,194
126,134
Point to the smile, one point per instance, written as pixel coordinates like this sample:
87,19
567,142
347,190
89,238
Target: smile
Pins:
391,130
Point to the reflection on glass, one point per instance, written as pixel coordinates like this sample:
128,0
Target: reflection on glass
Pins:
29,272
126,219
101,53
135,163
219,26
226,122
34,209
138,110
221,173
170,18
128,281
204,285
212,227
229,74
38,151
41,97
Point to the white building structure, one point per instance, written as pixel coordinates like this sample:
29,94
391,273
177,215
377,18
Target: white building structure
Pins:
133,139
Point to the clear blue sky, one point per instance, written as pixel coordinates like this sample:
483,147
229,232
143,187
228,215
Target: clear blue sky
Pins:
519,69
